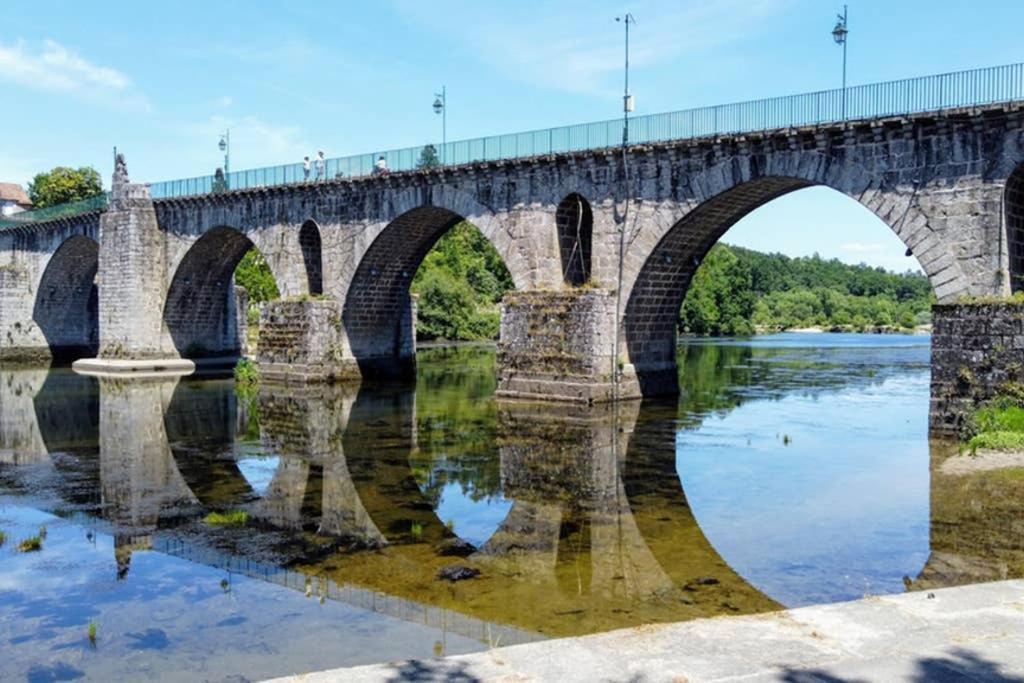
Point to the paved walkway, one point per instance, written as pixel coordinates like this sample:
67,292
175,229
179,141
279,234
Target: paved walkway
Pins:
971,633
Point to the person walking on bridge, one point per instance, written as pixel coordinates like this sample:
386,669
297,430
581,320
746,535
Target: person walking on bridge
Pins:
321,165
305,167
381,167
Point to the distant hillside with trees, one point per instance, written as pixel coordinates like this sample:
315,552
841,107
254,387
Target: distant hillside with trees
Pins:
739,291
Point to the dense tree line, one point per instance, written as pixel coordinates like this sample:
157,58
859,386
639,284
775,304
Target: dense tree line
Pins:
738,291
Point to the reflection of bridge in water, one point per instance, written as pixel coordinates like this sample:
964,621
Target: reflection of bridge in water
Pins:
599,534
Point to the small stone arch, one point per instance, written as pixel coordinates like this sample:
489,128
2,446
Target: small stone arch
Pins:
66,307
574,221
201,315
312,257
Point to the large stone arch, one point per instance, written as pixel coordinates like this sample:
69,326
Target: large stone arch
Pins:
200,315
66,308
660,270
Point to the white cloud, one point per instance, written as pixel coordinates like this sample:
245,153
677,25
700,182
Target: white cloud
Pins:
55,68
861,247
578,47
224,102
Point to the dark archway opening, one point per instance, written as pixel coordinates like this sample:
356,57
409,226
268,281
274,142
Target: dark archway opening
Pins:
1014,208
67,304
575,222
312,257
206,314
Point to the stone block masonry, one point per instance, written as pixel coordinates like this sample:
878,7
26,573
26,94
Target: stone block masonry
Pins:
559,346
977,350
300,341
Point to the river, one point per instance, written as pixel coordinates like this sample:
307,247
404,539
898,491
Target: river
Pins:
794,469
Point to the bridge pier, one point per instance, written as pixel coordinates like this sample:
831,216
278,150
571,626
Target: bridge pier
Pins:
559,346
977,354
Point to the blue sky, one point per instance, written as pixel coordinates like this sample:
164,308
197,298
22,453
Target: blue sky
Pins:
161,80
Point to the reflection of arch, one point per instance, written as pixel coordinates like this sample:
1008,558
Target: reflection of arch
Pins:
312,257
206,414
67,304
199,312
575,222
652,307
377,314
1013,205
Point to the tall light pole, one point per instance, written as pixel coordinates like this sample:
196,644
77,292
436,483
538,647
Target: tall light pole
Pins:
441,107
839,34
627,106
225,146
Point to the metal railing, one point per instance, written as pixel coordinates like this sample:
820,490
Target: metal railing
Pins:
59,211
908,96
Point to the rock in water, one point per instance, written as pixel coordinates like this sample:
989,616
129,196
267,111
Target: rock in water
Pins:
457,572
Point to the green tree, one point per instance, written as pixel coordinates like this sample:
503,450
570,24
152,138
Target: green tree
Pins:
460,284
62,185
254,274
721,299
428,158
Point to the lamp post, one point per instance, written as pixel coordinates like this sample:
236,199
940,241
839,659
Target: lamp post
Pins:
627,106
839,34
441,107
225,146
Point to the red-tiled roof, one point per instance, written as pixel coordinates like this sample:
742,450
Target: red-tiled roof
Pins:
13,192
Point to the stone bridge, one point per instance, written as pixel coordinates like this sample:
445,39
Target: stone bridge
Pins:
152,279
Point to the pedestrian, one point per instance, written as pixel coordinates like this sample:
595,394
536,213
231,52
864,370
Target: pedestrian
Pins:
305,167
321,165
381,167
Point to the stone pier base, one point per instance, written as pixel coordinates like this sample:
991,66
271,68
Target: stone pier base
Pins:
559,346
977,353
300,341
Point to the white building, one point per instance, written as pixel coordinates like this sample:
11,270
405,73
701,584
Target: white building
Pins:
13,199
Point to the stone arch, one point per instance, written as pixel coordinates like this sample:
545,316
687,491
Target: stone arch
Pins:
1013,209
200,314
66,308
727,193
312,257
377,312
574,221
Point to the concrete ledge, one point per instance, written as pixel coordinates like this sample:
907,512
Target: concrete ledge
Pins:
965,633
152,367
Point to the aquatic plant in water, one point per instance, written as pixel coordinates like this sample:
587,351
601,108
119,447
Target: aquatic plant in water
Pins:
30,545
93,627
246,372
3,538
229,518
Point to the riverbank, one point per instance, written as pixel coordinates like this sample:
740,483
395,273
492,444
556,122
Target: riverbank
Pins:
965,633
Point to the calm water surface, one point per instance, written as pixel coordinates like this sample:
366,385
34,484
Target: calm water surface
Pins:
794,469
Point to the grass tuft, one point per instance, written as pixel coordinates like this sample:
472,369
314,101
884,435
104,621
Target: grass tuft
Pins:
997,441
229,518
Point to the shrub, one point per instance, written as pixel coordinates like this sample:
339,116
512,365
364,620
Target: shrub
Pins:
246,372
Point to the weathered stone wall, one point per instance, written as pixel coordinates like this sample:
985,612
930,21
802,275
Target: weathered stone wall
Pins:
300,341
977,349
559,346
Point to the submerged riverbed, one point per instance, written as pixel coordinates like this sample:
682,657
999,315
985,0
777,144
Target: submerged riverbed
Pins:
794,469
